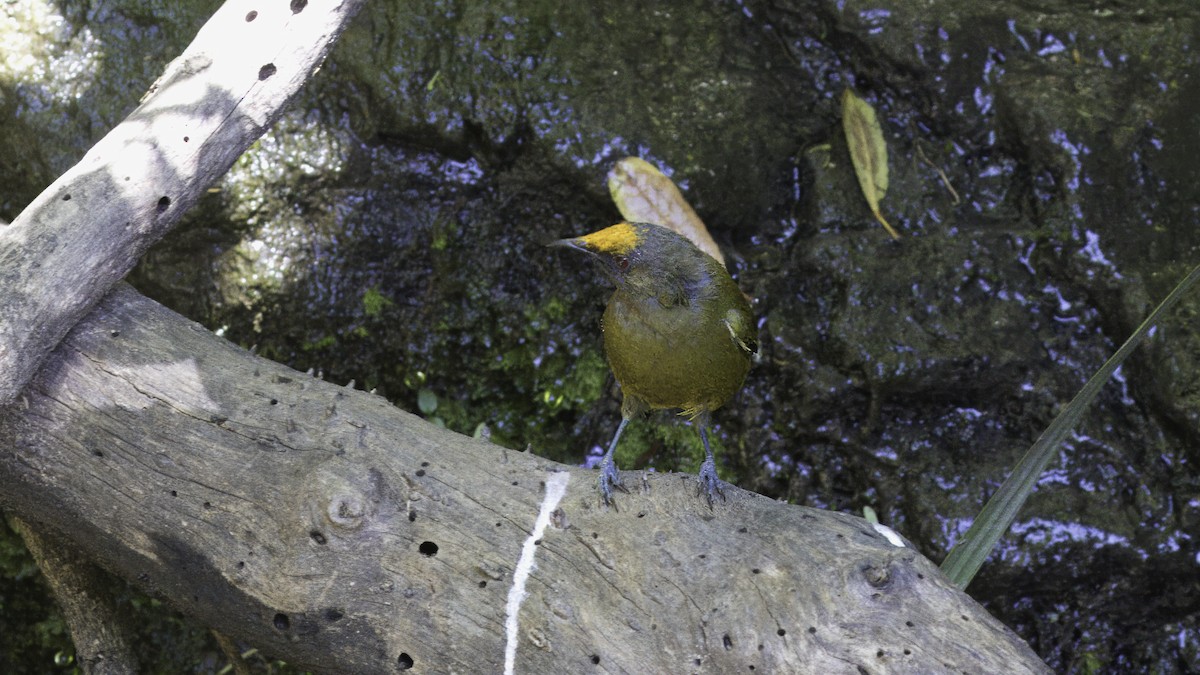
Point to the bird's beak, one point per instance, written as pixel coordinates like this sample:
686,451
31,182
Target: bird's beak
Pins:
576,243
603,260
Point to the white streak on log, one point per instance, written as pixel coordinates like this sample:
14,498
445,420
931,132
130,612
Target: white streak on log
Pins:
556,487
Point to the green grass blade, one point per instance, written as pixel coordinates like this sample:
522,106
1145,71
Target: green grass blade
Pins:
967,556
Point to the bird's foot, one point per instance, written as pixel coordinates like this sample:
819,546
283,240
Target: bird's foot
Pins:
709,482
610,478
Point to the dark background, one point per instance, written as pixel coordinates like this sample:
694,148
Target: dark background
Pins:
391,229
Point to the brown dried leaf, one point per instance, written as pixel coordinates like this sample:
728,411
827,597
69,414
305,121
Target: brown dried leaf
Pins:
868,152
645,195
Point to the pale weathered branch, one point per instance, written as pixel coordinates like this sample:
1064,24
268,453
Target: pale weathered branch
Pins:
88,229
332,530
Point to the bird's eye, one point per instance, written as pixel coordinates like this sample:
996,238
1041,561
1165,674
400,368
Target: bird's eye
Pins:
622,263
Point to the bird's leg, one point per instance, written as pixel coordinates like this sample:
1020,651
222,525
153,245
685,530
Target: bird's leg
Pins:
708,470
609,477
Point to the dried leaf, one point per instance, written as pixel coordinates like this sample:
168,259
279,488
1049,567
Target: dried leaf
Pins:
645,195
868,152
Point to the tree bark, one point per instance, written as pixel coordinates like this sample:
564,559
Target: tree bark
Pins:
87,230
100,634
342,534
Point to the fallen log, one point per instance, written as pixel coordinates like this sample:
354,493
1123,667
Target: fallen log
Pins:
328,528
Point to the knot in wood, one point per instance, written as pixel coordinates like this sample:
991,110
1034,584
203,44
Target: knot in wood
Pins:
346,511
877,576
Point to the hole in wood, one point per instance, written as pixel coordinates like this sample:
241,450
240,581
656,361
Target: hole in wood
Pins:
267,71
297,7
281,621
405,661
163,203
251,15
428,548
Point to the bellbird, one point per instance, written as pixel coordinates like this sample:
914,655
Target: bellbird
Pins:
678,332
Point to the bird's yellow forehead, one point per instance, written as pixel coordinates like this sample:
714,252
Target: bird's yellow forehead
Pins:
616,240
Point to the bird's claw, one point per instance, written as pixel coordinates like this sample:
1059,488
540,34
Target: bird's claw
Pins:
709,482
610,478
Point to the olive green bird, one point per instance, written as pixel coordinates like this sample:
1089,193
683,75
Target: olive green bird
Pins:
678,332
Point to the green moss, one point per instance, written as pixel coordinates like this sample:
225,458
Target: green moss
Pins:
323,343
554,309
374,302
584,382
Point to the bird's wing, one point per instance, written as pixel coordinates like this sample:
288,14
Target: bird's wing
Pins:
741,331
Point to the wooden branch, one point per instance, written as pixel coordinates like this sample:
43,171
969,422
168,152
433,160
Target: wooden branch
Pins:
337,532
87,230
101,635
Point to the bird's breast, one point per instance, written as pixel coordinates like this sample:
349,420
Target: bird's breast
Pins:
672,355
